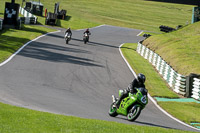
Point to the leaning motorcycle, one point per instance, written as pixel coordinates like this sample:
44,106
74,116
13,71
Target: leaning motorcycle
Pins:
85,38
67,37
130,106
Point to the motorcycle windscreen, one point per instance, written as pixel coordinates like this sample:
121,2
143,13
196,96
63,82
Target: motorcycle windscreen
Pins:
143,90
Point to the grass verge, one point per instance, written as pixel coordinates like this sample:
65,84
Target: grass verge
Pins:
187,112
12,39
20,120
156,86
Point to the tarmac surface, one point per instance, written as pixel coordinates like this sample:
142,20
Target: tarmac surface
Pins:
76,79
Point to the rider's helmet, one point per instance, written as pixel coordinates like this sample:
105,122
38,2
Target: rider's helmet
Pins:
69,28
141,78
87,29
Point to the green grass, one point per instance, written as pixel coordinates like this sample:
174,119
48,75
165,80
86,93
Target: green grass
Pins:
12,39
187,112
180,48
155,85
72,22
137,14
20,120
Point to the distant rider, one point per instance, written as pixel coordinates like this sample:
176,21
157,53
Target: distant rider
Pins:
136,83
69,32
88,32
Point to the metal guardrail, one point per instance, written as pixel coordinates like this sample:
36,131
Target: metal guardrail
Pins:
28,17
196,89
1,24
176,81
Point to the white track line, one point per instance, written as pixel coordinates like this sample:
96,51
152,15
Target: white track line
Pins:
140,33
13,55
155,103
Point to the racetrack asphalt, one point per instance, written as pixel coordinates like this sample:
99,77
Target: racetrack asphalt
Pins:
76,79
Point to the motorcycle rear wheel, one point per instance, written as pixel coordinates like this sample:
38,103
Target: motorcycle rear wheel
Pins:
67,41
133,113
112,111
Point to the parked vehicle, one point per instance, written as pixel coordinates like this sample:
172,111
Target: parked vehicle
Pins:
130,106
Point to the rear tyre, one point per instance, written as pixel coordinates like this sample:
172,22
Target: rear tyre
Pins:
112,111
85,41
133,113
67,41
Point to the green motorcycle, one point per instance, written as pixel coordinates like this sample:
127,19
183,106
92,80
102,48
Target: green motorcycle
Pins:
130,106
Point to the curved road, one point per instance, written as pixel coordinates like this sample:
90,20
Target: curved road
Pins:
76,79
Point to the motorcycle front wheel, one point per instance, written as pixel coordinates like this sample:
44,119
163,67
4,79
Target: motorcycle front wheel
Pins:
112,111
133,113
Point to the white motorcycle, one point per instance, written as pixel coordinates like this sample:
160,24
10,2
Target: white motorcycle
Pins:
67,37
86,38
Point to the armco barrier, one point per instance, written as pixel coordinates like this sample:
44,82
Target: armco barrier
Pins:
28,17
176,81
196,89
1,24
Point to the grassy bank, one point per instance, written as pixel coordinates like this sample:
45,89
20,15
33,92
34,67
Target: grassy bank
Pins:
137,14
180,49
19,120
187,112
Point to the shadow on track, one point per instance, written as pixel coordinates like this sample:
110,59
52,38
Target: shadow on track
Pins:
53,53
155,125
146,123
56,36
96,43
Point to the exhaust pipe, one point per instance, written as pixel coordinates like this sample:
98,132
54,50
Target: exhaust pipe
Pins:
113,99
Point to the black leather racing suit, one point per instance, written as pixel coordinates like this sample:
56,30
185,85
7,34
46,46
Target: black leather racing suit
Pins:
131,88
68,31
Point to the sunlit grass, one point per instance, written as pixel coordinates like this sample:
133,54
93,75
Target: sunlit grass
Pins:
12,39
20,120
180,49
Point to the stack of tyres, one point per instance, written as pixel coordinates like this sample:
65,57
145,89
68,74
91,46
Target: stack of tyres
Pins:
166,28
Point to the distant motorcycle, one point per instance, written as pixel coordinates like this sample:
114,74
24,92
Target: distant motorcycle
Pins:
86,38
67,37
130,106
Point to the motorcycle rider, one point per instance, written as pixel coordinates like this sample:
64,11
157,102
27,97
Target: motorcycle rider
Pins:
88,32
136,83
69,32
